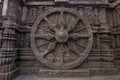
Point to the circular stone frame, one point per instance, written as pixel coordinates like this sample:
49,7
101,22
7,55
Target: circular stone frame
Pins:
63,66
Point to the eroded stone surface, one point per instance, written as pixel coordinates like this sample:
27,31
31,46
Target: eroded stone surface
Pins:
35,77
62,38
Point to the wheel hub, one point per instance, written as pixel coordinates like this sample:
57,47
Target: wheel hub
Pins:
61,36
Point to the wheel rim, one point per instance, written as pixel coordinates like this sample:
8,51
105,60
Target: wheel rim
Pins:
61,38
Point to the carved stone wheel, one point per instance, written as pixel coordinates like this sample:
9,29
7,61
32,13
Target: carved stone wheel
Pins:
61,38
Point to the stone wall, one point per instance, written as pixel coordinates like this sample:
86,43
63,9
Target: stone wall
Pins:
17,56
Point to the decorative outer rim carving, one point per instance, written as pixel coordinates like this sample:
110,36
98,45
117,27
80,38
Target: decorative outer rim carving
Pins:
70,65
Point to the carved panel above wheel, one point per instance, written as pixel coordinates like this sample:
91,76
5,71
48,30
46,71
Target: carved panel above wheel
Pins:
61,38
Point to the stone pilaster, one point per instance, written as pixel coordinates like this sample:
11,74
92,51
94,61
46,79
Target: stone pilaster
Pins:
8,54
116,30
117,12
8,51
103,19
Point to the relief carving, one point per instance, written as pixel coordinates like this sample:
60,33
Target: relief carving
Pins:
118,17
24,40
61,34
60,38
32,15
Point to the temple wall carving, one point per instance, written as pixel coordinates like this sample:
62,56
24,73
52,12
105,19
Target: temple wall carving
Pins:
18,56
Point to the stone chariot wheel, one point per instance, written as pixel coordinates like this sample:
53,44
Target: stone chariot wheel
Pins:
61,38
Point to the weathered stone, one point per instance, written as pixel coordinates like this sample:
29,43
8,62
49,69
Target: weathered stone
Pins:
59,38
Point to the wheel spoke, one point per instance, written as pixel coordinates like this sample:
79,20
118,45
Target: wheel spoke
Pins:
62,52
78,36
51,47
43,44
75,42
53,57
73,47
80,29
68,19
67,50
45,30
61,22
73,25
47,36
45,53
52,26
